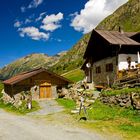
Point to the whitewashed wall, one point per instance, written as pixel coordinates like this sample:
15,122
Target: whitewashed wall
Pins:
122,60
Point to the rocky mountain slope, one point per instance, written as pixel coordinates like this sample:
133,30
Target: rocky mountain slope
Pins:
28,63
127,16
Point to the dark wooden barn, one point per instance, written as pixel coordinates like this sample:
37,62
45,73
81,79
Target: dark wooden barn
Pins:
41,82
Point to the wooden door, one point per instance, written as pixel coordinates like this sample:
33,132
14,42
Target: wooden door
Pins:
45,91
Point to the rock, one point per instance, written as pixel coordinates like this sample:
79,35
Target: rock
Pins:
17,104
122,104
61,95
128,104
90,101
7,99
74,111
87,104
136,100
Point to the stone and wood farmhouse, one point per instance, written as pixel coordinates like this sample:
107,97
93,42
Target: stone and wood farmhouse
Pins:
108,54
41,82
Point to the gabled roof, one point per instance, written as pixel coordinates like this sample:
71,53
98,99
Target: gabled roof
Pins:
104,44
130,34
117,38
25,75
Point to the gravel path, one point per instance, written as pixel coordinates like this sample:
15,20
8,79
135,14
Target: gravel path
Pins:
14,127
47,107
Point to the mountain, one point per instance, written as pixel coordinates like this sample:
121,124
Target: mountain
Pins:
73,59
29,62
127,17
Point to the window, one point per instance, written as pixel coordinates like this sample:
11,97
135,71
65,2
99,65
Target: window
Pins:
98,69
109,67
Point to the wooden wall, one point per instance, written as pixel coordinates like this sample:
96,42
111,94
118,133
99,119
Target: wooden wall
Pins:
37,79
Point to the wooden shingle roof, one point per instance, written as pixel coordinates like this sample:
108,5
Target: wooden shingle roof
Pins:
22,76
117,38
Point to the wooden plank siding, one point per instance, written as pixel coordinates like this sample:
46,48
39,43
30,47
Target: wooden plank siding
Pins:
40,77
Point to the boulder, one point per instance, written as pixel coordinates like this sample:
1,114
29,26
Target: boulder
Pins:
74,111
135,100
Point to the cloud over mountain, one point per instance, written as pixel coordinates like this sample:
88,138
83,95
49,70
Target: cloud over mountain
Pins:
93,12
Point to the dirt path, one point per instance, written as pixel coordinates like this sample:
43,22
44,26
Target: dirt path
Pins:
14,127
49,123
47,107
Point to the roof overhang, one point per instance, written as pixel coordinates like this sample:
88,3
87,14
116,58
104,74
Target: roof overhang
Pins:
23,76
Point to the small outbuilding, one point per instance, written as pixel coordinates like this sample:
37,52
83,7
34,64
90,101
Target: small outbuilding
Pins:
41,82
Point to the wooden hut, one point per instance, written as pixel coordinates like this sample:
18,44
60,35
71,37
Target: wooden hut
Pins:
41,82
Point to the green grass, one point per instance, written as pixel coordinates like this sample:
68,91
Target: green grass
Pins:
1,88
121,91
67,103
114,120
21,110
75,75
101,111
128,127
108,120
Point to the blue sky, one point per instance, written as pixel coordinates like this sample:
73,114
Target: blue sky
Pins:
47,26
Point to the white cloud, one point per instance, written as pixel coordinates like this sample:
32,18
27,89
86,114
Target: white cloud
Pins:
23,9
51,22
17,24
73,14
110,5
35,3
50,27
34,33
93,13
40,16
53,18
28,21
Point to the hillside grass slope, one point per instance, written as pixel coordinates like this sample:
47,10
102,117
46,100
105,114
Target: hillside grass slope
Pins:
127,17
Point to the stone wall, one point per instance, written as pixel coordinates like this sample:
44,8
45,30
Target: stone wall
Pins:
54,92
123,100
104,78
16,100
35,92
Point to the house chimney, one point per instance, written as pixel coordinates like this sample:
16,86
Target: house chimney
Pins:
120,30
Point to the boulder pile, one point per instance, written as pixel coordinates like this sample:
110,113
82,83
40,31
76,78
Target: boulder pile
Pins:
76,91
16,100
